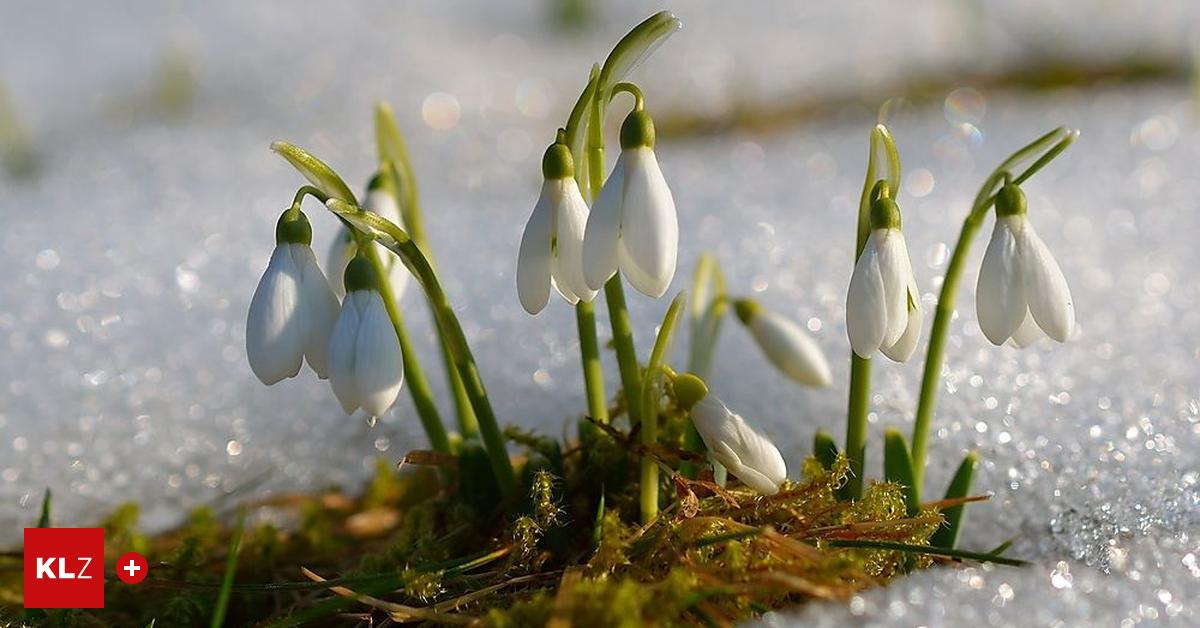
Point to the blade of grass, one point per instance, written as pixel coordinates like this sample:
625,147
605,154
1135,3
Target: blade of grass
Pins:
960,486
825,449
231,560
44,519
897,467
931,551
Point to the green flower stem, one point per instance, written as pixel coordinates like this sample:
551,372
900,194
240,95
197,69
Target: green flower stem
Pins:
614,291
651,393
394,153
860,368
395,239
593,369
418,385
585,312
1057,140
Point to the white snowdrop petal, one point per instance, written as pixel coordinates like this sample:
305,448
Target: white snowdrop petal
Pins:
1026,334
1045,286
790,349
903,348
276,325
568,253
341,250
343,343
866,314
383,203
603,230
999,298
534,258
731,441
895,269
378,366
649,225
320,307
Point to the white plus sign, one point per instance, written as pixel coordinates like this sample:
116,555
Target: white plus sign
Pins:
132,568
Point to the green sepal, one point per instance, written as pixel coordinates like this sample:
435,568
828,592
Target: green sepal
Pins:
316,171
960,486
1010,200
746,310
825,449
637,131
293,228
885,214
689,389
898,468
360,275
557,162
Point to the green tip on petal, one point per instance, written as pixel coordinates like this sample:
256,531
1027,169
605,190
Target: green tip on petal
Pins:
360,275
1010,200
746,310
885,214
637,131
293,228
557,162
377,182
689,390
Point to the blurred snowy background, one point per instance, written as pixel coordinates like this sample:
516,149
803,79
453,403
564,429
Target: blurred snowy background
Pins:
139,201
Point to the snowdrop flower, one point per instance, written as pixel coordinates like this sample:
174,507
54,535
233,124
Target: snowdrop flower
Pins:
293,308
633,225
552,247
730,440
1021,293
379,201
883,306
785,344
366,368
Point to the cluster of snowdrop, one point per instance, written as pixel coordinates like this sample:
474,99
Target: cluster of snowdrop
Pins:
294,316
632,228
628,231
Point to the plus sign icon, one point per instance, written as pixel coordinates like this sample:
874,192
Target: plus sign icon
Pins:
64,568
132,568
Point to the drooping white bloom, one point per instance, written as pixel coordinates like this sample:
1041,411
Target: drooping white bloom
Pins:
1022,293
731,441
379,201
366,367
883,305
293,308
551,250
785,344
633,225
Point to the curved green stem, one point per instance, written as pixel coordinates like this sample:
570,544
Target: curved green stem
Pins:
418,385
1058,140
651,392
859,404
395,239
393,155
639,101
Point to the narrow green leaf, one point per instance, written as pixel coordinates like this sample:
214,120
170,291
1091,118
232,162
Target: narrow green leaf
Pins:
960,486
44,519
389,141
316,171
651,384
897,467
231,560
1001,548
825,449
636,46
930,550
598,524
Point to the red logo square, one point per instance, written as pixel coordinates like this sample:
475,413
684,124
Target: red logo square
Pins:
64,567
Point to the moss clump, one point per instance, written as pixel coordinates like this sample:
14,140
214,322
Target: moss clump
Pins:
436,545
